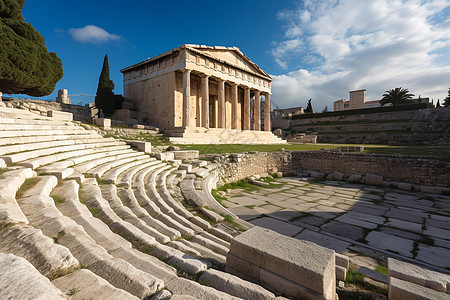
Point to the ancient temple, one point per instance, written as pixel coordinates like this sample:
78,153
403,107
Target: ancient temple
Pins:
201,94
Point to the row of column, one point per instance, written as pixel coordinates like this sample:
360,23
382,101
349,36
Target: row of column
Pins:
221,104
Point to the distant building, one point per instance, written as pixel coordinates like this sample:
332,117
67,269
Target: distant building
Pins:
287,112
358,101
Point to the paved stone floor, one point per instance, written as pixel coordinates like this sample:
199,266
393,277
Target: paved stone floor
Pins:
338,215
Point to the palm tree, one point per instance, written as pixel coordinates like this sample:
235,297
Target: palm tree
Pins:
396,96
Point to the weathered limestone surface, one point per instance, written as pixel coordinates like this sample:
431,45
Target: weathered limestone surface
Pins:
48,258
233,285
20,280
88,285
415,274
10,182
301,262
186,154
60,115
400,290
103,122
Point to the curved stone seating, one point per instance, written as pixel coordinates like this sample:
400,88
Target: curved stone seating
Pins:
153,228
111,175
10,181
20,280
87,285
43,214
124,179
99,170
94,200
21,156
74,157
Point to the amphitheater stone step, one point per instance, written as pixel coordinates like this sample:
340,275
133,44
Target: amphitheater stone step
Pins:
234,285
50,259
83,284
10,182
20,280
182,286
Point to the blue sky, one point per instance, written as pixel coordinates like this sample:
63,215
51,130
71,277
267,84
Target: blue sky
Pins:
313,49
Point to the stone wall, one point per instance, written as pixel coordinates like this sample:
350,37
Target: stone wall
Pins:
80,113
233,167
402,171
410,127
397,168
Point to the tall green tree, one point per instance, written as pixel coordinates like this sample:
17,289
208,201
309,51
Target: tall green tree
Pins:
396,96
309,108
26,66
446,102
105,98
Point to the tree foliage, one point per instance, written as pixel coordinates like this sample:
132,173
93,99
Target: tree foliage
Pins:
309,108
446,102
105,98
397,96
26,66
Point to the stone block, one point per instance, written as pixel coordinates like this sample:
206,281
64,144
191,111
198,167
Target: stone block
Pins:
401,290
142,146
341,273
302,262
186,167
318,175
186,154
415,274
338,175
138,126
103,122
404,186
377,276
281,285
165,156
341,260
433,189
243,267
373,179
60,115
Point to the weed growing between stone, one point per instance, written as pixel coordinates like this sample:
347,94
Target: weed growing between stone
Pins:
3,170
28,184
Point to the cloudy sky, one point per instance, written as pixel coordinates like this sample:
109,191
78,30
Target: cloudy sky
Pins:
313,49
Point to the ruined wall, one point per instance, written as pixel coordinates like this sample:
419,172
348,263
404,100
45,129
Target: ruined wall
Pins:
394,169
40,107
398,168
237,166
410,127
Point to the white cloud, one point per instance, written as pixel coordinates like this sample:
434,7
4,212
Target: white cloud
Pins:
92,34
355,44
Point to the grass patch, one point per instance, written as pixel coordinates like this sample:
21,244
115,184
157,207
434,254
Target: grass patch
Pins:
58,199
95,211
73,291
383,269
230,220
58,236
27,184
3,170
354,278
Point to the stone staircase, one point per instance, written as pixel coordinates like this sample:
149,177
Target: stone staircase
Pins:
223,136
88,217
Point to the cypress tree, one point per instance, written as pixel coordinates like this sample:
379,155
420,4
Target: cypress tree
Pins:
26,65
309,108
447,100
104,98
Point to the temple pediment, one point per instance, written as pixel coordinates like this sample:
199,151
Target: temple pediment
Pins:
229,55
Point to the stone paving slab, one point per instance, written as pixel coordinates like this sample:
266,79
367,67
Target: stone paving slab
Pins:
277,226
385,218
434,255
323,240
343,229
390,242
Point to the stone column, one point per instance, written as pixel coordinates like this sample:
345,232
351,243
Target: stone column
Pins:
221,94
267,124
205,97
234,103
186,97
257,111
247,108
